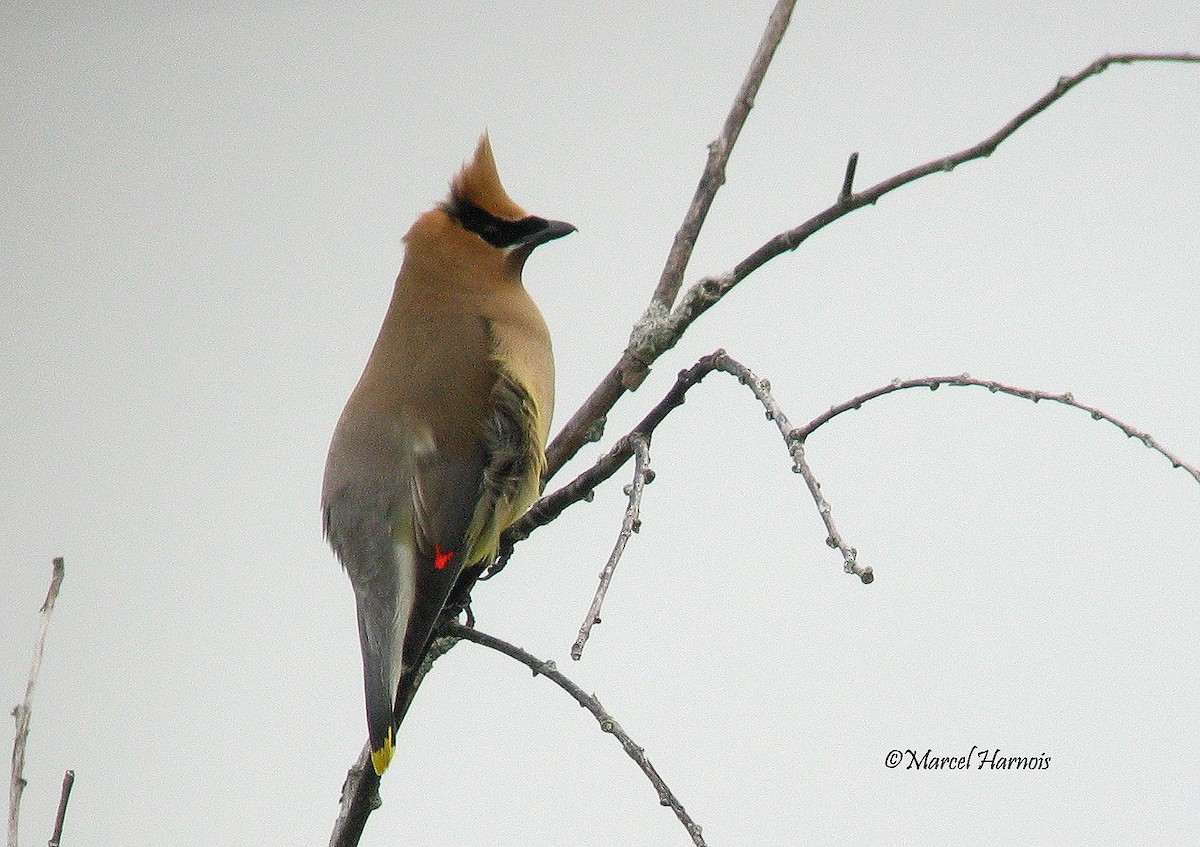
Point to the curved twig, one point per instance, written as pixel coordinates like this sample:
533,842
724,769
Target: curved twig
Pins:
589,701
795,445
934,382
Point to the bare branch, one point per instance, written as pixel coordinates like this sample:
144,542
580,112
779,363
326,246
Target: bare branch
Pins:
657,333
719,152
642,475
635,362
63,798
795,444
22,712
589,701
933,383
708,291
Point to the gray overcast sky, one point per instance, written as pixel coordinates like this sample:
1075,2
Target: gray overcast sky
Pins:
201,223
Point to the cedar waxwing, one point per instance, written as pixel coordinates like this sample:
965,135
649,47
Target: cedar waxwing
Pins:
441,445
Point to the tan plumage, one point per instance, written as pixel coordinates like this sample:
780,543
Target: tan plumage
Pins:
441,444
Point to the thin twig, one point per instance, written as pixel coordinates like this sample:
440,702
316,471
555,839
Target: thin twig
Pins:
656,336
22,711
719,152
63,798
795,445
632,522
589,701
635,362
935,382
848,181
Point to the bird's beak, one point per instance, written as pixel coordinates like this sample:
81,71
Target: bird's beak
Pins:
548,232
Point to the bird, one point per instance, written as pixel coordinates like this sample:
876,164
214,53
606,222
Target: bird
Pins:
441,445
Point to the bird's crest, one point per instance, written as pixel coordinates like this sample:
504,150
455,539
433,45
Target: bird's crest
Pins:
479,183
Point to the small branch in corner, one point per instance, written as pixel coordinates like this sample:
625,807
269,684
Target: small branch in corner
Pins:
22,712
67,783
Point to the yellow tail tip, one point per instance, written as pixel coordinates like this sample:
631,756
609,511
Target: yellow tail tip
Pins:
382,757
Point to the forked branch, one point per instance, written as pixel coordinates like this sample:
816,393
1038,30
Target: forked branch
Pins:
656,333
627,374
582,487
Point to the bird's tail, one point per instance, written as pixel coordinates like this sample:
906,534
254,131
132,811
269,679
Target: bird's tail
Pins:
377,656
393,656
